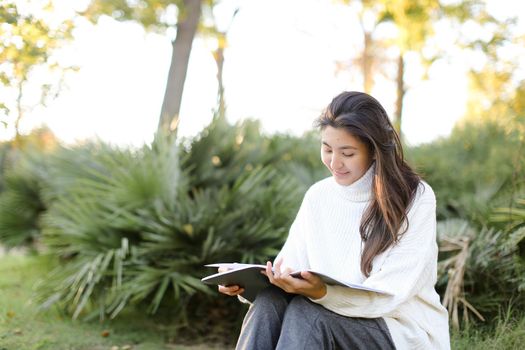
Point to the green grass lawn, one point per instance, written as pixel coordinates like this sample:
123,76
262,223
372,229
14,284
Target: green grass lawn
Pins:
507,333
22,328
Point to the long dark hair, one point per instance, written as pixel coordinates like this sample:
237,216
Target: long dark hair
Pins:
395,183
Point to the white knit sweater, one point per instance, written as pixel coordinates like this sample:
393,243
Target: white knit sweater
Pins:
325,237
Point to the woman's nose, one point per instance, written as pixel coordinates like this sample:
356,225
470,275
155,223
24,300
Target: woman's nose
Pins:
336,162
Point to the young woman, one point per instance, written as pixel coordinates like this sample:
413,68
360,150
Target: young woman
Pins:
373,223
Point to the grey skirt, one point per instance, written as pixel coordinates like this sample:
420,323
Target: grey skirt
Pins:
278,320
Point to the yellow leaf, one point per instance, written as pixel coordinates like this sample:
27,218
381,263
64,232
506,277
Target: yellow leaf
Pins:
188,228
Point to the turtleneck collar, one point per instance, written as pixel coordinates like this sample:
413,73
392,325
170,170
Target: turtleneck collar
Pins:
361,190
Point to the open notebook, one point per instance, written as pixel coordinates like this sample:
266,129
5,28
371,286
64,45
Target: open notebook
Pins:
249,277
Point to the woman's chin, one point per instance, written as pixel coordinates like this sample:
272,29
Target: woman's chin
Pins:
343,180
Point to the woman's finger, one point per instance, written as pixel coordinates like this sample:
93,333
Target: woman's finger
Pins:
230,290
269,271
277,268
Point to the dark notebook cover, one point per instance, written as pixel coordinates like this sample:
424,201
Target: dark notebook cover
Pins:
247,276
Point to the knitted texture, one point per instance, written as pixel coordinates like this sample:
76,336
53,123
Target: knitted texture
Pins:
325,237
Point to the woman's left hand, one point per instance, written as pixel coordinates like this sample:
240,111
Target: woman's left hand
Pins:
309,285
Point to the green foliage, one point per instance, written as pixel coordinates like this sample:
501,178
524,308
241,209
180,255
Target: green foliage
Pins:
30,183
221,153
507,331
29,39
90,222
482,267
513,216
472,171
4,151
413,19
152,14
476,174
21,201
137,227
513,219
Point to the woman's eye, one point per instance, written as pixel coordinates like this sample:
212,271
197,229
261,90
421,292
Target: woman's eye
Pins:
348,155
328,151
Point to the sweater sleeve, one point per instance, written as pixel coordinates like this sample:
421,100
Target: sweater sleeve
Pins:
409,266
294,253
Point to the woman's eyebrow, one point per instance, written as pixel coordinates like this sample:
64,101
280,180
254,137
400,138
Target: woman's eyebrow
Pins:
342,147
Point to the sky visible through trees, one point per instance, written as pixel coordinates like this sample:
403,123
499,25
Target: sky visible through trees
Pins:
282,66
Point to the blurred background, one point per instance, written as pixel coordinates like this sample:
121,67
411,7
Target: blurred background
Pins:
142,139
281,63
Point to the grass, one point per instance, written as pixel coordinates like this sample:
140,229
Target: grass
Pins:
507,333
22,327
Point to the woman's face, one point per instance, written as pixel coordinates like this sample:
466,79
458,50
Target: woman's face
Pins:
344,155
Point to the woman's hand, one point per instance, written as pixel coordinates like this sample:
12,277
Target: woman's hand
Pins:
310,285
229,290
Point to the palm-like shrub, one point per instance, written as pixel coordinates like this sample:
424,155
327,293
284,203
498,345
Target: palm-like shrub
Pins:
89,224
513,219
479,270
221,153
471,171
301,157
35,178
132,227
21,201
4,152
24,177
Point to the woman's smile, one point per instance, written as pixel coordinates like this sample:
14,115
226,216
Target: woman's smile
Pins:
340,173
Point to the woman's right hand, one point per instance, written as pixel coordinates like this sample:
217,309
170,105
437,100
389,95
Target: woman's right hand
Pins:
229,290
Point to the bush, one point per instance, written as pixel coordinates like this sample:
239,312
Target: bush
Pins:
221,153
480,270
4,151
21,202
136,228
24,176
473,170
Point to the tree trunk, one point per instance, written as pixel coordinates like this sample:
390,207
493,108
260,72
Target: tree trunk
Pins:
219,59
19,109
187,24
368,81
400,82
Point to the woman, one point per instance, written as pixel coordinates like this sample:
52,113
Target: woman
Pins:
373,223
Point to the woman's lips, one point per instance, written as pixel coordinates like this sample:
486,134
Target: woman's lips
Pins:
340,174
